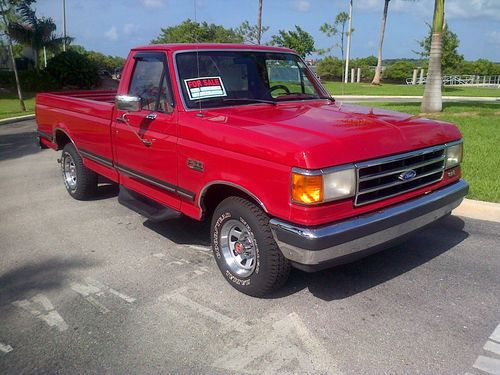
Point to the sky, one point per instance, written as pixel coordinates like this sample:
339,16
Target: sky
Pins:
114,26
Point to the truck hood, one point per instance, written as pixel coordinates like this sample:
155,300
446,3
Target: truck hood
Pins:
320,134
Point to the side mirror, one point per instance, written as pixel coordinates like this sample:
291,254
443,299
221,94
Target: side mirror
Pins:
128,103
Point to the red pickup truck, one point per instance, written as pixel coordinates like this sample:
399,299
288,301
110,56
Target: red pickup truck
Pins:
247,137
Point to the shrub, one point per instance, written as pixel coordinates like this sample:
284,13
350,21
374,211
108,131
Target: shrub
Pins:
399,71
329,68
73,69
37,80
31,80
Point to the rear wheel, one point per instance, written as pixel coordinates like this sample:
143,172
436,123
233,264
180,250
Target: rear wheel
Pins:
245,250
80,182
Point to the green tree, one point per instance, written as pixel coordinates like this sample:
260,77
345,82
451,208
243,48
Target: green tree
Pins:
378,69
483,67
8,15
194,32
337,28
250,33
102,61
299,40
433,100
35,32
451,60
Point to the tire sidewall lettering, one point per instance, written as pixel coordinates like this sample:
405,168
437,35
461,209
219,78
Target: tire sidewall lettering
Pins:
256,246
217,227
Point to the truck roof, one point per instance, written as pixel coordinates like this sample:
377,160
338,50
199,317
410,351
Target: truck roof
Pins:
210,46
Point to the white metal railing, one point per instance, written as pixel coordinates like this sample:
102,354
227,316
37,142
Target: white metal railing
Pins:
462,80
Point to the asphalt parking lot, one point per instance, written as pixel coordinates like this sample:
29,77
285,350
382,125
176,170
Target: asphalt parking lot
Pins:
92,287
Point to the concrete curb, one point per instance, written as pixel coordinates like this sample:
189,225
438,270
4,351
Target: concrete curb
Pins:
479,210
16,119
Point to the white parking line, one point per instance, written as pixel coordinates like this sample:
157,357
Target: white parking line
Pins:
95,288
227,322
5,348
496,334
49,316
274,347
487,364
203,249
492,347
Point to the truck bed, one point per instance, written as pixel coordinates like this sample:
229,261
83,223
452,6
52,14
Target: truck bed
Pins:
83,116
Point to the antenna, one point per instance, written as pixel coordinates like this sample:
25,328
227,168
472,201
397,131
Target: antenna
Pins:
200,114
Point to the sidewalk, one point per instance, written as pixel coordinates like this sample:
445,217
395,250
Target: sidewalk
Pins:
479,210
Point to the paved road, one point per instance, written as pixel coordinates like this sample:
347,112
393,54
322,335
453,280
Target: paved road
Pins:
91,287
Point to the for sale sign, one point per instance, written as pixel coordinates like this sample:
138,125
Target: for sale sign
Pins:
204,87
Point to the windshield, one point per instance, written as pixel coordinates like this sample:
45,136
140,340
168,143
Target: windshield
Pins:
225,78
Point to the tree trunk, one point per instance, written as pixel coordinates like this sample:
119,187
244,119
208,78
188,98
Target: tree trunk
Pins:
378,70
13,61
259,23
35,55
432,100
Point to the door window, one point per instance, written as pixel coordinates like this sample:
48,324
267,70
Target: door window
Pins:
149,82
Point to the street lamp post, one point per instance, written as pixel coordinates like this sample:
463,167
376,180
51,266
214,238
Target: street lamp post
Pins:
346,75
64,23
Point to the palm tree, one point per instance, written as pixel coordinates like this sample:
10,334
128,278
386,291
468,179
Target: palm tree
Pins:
35,32
378,70
432,100
259,22
3,11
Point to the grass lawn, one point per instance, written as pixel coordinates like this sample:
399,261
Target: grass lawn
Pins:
480,126
9,105
335,88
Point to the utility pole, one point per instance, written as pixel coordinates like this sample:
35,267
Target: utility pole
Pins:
259,23
64,23
346,75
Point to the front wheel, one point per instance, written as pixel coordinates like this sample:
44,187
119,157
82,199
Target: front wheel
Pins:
80,182
245,250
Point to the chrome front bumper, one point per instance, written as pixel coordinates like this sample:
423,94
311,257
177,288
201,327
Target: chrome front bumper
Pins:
313,248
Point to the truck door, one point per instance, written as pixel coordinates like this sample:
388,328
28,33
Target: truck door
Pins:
145,142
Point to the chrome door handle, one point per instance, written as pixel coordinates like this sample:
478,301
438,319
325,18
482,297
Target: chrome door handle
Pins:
151,116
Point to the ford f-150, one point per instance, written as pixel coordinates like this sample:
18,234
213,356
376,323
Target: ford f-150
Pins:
248,138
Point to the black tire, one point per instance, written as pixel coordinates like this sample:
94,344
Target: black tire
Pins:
271,268
85,185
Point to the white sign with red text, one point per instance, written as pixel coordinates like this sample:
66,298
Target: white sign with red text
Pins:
205,87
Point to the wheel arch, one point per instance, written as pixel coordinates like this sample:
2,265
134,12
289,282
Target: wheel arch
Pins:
61,138
215,192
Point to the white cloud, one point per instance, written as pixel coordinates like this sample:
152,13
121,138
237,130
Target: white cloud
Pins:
473,8
454,9
494,37
302,5
130,28
112,33
153,3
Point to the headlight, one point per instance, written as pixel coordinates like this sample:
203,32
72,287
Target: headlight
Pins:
454,154
323,185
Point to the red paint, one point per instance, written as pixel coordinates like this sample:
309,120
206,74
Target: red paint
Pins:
250,146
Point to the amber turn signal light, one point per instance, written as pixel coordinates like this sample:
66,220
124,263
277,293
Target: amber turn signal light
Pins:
307,189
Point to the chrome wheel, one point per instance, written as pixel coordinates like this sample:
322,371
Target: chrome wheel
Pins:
237,246
69,171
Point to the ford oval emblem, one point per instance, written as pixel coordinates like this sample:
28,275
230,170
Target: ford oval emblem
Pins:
407,175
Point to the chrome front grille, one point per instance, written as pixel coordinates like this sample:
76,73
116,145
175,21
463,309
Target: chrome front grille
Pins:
383,178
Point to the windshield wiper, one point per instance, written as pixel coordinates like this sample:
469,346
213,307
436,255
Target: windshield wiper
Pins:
249,100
